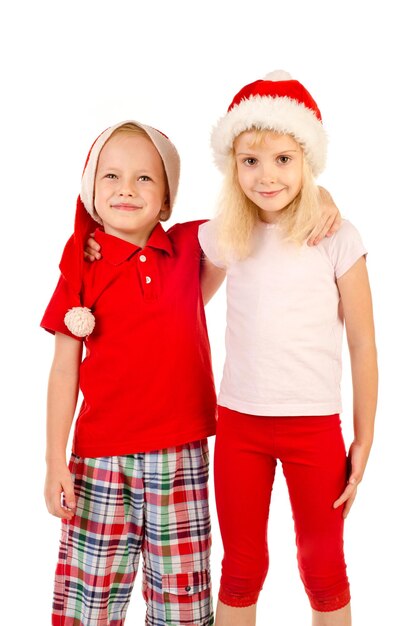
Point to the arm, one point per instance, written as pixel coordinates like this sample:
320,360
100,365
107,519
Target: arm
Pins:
211,278
329,222
62,398
357,306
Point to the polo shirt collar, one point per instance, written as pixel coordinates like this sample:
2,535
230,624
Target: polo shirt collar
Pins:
159,239
116,250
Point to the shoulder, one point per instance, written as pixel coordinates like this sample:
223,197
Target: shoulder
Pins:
344,248
185,232
208,239
346,234
184,238
346,231
184,228
209,230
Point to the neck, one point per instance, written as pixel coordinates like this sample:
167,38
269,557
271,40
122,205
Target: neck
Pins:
137,238
269,217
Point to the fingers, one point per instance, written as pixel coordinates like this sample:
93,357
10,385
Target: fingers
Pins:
348,496
330,220
335,226
321,230
91,256
60,500
69,495
92,248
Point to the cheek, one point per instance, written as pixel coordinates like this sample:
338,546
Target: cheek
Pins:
243,180
296,179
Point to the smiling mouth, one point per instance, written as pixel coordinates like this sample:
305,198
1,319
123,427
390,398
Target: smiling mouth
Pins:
125,207
269,194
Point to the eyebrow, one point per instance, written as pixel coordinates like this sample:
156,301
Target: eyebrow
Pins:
276,153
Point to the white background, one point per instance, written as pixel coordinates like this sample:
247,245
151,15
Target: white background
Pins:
72,69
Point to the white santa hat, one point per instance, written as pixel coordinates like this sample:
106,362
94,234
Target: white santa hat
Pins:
277,103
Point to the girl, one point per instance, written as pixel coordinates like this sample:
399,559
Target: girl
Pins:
280,392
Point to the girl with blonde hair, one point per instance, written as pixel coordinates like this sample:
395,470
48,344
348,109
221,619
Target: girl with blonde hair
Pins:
287,303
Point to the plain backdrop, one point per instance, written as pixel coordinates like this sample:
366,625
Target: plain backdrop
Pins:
69,70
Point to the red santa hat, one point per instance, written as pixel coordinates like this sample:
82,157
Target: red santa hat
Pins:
79,320
277,103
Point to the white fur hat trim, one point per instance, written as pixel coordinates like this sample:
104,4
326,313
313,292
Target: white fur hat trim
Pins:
282,115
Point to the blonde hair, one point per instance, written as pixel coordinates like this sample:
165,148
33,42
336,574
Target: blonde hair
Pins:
132,129
237,214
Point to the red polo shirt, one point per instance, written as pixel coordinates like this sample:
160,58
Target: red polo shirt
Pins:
146,378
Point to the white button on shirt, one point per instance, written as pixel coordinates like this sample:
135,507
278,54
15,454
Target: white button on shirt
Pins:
142,258
148,280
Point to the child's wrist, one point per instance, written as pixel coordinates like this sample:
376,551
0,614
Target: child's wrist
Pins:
55,459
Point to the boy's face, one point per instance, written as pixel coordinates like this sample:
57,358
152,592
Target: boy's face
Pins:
130,187
270,171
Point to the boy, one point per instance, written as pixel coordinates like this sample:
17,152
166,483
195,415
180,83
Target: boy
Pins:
137,479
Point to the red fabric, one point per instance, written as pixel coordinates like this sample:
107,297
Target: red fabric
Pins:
313,457
277,89
146,378
72,262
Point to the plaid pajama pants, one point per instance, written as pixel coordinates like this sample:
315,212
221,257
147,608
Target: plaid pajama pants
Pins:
154,504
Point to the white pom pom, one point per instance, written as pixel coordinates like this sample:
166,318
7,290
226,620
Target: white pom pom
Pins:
278,75
80,321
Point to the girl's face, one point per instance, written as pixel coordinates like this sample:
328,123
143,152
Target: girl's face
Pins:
130,187
270,171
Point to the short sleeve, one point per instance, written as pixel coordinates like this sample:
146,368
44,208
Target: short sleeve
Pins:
208,239
62,300
346,247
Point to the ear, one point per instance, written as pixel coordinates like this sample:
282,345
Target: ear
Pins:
166,211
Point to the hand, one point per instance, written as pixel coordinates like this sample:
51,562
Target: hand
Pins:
329,222
59,483
92,249
357,459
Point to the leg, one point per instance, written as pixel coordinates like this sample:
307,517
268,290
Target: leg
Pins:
235,616
176,549
314,464
244,475
100,546
341,617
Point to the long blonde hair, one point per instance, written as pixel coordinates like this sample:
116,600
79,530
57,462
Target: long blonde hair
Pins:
237,214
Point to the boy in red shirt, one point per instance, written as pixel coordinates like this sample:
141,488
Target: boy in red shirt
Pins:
137,478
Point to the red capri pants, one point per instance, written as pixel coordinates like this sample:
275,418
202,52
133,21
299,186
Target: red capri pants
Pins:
313,458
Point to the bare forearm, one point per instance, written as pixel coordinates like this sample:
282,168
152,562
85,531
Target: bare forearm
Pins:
62,399
365,389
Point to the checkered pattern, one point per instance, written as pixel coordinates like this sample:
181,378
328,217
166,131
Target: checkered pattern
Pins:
156,504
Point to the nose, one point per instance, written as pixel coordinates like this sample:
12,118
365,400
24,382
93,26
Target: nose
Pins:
126,188
267,175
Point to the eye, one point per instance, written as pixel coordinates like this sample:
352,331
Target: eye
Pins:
144,178
283,159
250,161
110,176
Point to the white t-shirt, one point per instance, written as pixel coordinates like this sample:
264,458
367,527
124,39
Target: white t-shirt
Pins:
284,322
